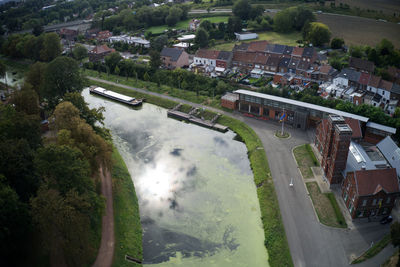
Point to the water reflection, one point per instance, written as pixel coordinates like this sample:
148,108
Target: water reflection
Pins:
197,199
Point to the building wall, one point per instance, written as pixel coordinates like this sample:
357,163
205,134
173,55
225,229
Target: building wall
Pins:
228,104
221,64
183,60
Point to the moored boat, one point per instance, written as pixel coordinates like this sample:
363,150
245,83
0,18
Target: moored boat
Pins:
115,96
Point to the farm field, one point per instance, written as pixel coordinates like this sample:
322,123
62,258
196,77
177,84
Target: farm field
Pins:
386,6
361,31
273,37
184,24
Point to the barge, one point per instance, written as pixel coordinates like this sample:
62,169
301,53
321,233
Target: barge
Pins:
131,101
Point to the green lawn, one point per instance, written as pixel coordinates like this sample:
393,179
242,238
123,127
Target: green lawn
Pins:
325,205
305,160
275,237
184,24
273,37
128,230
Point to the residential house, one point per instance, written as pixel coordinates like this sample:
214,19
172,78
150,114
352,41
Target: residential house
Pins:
287,52
395,92
384,90
362,65
390,107
241,36
293,64
297,52
174,58
326,73
278,50
260,61
273,63
241,47
367,98
395,73
243,60
284,65
373,83
347,77
103,36
99,52
363,80
224,59
369,193
358,98
302,68
309,54
194,24
69,34
207,58
257,46
270,48
137,41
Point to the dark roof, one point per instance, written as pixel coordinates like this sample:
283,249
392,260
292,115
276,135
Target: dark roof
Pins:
308,52
288,50
173,53
322,57
396,89
293,63
241,47
261,58
278,49
224,55
273,61
371,182
303,65
362,64
284,63
377,98
270,48
386,85
350,74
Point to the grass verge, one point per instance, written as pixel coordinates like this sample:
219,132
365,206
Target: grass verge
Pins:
275,236
304,159
128,230
327,208
392,261
375,249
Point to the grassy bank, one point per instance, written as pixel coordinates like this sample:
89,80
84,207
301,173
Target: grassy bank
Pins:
275,237
162,89
305,159
375,249
326,206
128,230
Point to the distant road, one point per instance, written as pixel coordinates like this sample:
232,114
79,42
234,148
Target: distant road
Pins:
51,28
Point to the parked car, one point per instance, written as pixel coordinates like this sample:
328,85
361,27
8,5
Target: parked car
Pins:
387,219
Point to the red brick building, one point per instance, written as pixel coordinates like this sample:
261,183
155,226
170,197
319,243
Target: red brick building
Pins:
333,138
229,101
99,52
368,193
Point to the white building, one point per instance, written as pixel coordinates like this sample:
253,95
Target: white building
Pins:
137,41
245,36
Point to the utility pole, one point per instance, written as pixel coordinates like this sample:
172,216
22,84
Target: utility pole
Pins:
283,120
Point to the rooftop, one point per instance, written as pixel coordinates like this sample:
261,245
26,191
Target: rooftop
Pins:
371,182
173,53
391,152
381,127
303,104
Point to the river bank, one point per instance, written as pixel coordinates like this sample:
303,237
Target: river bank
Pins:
275,238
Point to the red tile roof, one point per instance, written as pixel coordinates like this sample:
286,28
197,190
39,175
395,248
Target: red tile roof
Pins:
257,46
374,81
355,126
102,49
209,54
297,51
242,56
364,78
371,182
261,59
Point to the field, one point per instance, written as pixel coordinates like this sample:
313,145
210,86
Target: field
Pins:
361,31
184,24
273,37
386,6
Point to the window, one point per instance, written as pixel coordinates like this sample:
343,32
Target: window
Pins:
374,202
388,200
361,213
364,203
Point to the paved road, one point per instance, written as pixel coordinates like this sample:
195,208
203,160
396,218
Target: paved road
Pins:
106,251
311,244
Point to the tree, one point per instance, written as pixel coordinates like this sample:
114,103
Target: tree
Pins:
397,113
112,60
175,15
256,11
318,33
356,51
302,16
337,43
26,100
51,47
159,42
395,236
242,9
79,52
283,21
61,76
37,30
201,38
155,59
35,76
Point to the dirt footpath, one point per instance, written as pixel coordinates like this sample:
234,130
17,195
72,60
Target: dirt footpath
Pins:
106,251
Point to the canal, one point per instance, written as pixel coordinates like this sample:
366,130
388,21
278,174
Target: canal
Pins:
198,202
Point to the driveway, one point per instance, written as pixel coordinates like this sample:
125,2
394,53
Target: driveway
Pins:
311,244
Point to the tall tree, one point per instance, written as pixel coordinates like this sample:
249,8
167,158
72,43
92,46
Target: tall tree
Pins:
242,9
51,47
318,33
201,38
26,100
61,76
35,76
112,60
155,59
79,52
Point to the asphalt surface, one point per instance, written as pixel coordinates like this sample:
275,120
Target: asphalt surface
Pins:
311,243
